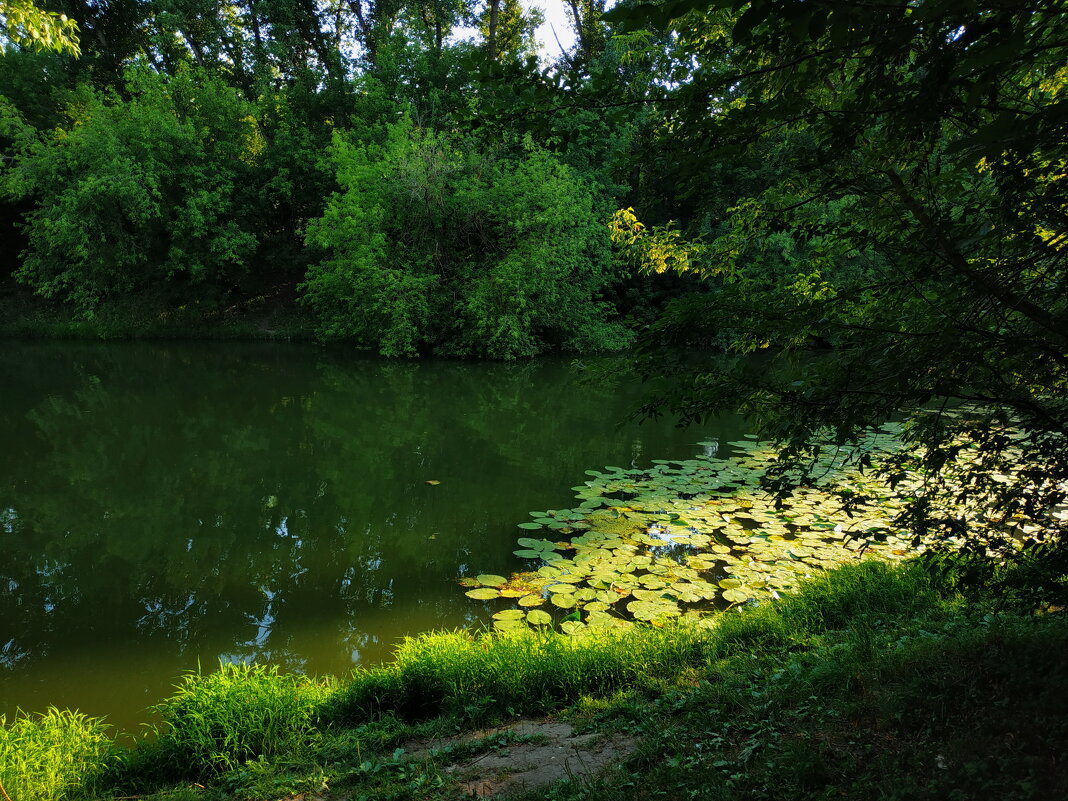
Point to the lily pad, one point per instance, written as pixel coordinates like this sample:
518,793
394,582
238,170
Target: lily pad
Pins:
483,594
509,614
537,617
735,596
650,610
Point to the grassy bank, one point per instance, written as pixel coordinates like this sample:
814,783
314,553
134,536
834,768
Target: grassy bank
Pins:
871,681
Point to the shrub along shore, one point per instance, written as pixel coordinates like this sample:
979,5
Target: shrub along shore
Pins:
922,680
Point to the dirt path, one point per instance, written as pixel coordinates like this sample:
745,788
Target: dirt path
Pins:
547,751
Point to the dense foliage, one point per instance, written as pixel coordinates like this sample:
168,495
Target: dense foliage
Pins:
353,158
142,193
432,242
885,183
913,224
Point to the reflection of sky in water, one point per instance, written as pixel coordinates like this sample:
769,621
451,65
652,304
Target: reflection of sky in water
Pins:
172,620
174,503
11,654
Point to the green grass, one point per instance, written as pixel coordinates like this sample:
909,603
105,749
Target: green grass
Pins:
871,682
52,756
221,721
966,709
483,675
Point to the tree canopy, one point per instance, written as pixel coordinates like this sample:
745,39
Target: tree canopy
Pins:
24,23
824,212
914,223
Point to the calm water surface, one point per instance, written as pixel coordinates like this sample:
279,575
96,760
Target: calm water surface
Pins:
169,505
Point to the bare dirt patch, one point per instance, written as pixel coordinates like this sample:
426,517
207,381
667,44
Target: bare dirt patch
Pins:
554,752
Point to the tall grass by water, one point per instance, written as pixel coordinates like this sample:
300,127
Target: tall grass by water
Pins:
525,672
218,722
52,756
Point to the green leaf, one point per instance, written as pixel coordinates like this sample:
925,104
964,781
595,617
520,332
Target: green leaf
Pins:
735,596
536,617
509,614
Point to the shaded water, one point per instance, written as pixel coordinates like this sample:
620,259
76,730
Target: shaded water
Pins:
164,505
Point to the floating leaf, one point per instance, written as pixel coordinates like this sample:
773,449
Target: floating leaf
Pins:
537,617
532,526
509,614
491,580
735,596
534,599
565,600
483,594
650,610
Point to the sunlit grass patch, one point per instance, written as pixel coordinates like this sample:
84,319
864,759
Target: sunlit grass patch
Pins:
521,672
866,647
50,756
219,721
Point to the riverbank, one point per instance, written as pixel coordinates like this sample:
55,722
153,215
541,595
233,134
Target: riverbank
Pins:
872,680
271,315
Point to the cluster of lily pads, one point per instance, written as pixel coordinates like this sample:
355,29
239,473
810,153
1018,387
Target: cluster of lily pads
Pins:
686,538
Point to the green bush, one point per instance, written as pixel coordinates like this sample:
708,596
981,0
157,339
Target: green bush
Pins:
432,244
51,756
139,193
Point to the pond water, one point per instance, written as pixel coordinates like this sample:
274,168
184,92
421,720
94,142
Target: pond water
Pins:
164,506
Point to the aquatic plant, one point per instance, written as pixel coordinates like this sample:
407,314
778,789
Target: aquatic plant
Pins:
686,538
